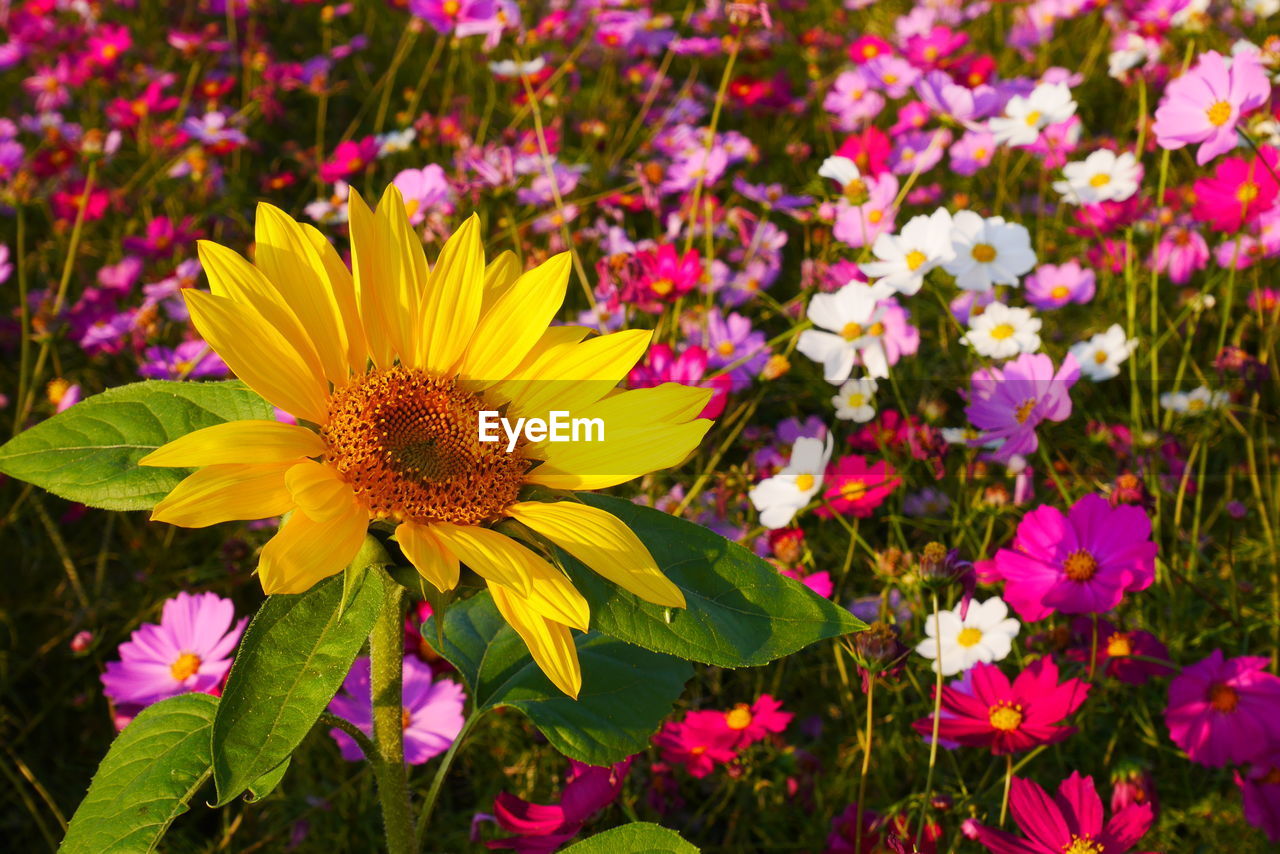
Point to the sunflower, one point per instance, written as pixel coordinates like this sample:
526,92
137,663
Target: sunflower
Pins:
386,367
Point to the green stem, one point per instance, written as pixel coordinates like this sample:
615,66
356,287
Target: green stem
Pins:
1008,781
937,719
433,794
866,764
386,654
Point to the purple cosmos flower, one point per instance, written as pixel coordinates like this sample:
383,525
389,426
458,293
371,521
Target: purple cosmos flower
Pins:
6,268
945,97
190,650
431,717
972,152
730,339
1054,285
772,196
189,360
1225,709
852,101
919,152
1008,403
121,276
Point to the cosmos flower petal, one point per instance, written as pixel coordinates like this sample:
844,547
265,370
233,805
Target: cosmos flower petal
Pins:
248,441
550,643
516,321
603,543
259,354
504,561
450,306
305,551
285,254
1038,815
429,555
224,493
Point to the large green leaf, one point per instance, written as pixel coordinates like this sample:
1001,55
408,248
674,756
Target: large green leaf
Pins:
740,612
639,837
152,769
626,691
291,662
89,453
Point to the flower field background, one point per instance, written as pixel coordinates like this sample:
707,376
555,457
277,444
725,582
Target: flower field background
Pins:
985,295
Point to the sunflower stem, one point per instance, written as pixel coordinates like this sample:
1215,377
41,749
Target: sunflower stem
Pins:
386,656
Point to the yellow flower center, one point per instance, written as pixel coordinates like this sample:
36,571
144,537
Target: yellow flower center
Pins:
1082,845
1246,192
406,717
853,490
969,636
804,482
1223,698
1005,716
451,7
1033,118
915,258
1219,113
185,667
1195,404
1102,179
739,717
874,217
1080,566
1003,331
1100,357
662,287
983,253
857,399
725,348
1119,645
1023,412
851,331
1060,292
407,443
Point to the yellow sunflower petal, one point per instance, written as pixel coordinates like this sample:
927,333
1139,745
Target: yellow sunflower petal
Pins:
285,254
451,302
623,455
234,278
305,551
635,411
550,643
344,293
248,441
406,263
429,555
318,490
498,558
223,493
572,376
602,542
516,321
499,275
374,288
258,354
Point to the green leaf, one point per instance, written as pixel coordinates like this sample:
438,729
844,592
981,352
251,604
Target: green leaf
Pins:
741,612
290,663
153,768
89,453
626,691
266,784
639,837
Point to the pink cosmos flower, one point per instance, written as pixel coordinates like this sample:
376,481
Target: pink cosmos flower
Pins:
1122,654
542,828
1071,821
1205,104
700,742
425,190
1080,563
661,365
349,158
1225,709
432,716
866,211
857,488
1181,253
665,275
1008,403
1005,716
190,650
1055,285
755,722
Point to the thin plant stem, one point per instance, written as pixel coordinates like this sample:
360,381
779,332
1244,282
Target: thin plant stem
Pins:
866,763
937,720
386,656
442,771
1008,782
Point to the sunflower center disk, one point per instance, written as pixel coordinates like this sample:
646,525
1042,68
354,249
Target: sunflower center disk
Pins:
407,444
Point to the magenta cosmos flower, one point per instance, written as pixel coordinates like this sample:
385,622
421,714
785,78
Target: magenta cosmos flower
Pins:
1224,709
545,827
1070,822
857,488
1079,563
1205,104
190,650
1260,789
432,711
1005,716
1008,403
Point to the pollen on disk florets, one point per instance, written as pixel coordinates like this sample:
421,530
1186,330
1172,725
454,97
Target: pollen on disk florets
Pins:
408,444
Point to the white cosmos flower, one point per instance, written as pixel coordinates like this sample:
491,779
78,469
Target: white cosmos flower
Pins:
778,498
856,400
985,634
842,170
851,317
511,68
904,258
1024,118
1103,176
1002,332
1193,402
988,251
1102,355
